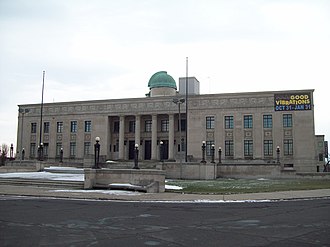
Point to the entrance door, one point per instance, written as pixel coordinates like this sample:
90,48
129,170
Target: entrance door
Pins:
131,148
147,149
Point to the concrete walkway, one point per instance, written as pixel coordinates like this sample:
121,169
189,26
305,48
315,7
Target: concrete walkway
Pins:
161,197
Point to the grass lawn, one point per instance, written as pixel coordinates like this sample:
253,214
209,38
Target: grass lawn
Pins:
235,186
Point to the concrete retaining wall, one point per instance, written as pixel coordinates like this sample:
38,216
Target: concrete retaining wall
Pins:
249,171
148,180
196,170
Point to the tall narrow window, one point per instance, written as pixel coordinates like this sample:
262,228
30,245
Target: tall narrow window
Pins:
248,148
45,150
229,148
88,126
268,147
87,148
288,147
59,127
268,121
287,120
164,125
33,127
72,149
32,150
208,147
132,126
147,125
116,127
248,122
58,148
229,122
74,126
210,122
46,127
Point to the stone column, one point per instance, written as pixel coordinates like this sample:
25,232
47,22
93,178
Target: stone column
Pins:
121,137
154,138
138,132
171,137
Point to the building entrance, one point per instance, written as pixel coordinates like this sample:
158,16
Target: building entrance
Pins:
147,149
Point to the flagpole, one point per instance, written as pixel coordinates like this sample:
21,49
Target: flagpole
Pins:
186,149
40,151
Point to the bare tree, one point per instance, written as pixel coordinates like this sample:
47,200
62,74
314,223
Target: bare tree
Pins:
4,152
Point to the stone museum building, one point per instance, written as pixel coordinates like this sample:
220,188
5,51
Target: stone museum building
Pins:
256,128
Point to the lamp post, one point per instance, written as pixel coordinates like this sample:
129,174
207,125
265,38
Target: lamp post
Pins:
203,152
97,152
161,151
22,155
220,151
61,155
278,154
136,157
212,153
179,102
41,152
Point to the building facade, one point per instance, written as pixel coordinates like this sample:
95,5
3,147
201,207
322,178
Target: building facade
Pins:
256,127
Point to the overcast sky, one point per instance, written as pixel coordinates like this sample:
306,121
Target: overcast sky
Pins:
104,49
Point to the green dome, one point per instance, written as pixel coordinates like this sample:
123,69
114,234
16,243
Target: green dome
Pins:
161,79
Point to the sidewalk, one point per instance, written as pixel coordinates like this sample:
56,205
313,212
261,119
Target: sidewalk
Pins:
159,197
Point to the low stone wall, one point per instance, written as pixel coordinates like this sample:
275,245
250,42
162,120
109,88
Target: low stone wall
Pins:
190,170
22,166
148,180
249,171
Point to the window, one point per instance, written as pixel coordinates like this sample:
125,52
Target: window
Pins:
210,122
164,125
287,120
59,127
183,125
208,147
46,127
116,127
268,121
88,126
45,149
131,126
148,124
87,148
73,126
181,146
248,148
229,122
288,147
58,148
248,121
32,150
229,148
33,127
268,147
72,149
116,146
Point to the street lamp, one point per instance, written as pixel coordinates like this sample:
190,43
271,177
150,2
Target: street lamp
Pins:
203,152
41,152
212,153
136,157
161,151
220,151
61,155
97,152
278,154
179,102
